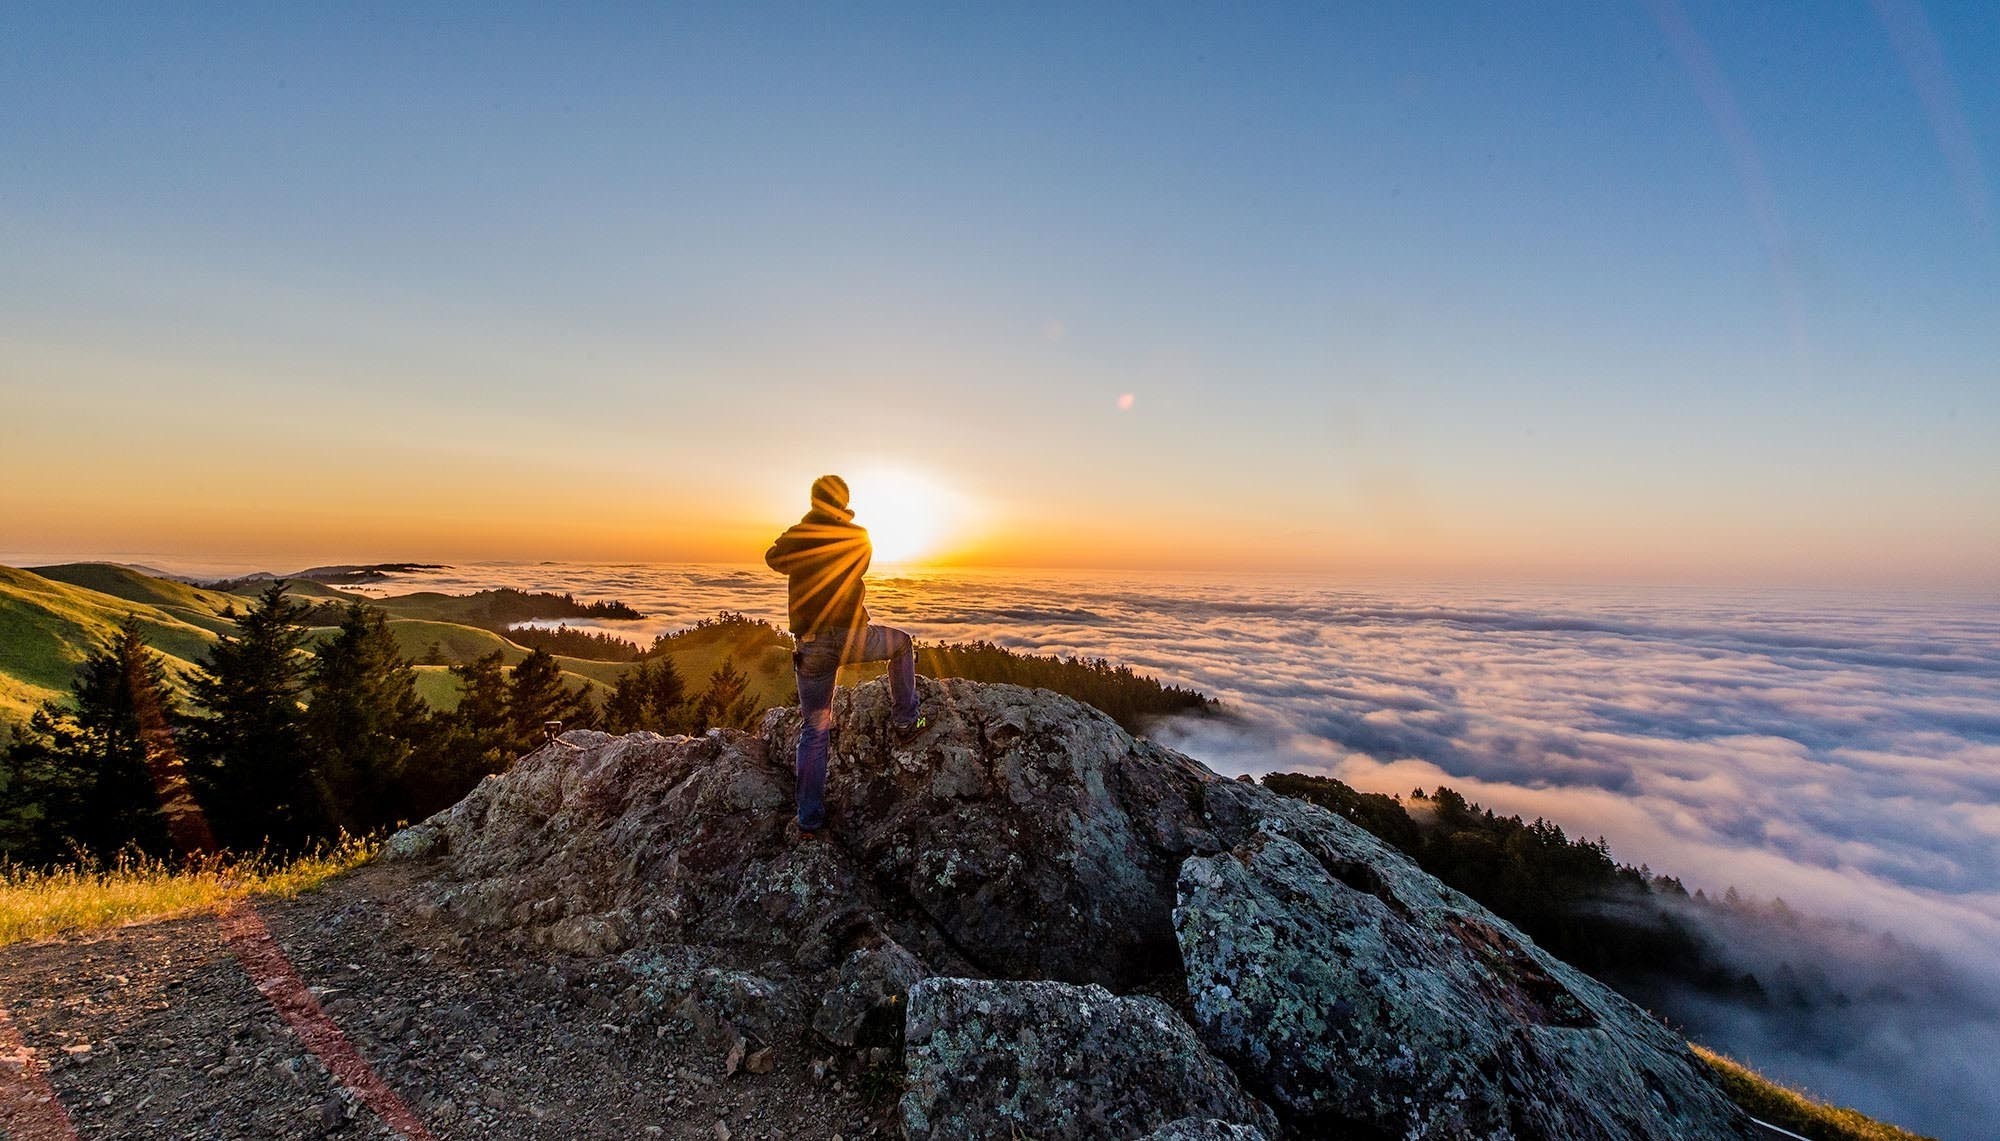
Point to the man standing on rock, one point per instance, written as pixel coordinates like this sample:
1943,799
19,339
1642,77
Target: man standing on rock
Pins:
826,554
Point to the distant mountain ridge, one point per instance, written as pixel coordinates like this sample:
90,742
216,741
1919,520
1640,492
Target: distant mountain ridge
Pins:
343,574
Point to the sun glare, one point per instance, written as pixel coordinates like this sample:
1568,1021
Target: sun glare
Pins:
909,516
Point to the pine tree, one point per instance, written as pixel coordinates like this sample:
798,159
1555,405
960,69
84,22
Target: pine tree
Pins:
625,709
482,708
667,695
726,703
472,740
667,705
77,777
535,696
248,759
364,723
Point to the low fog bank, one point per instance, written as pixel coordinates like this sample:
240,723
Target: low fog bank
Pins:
1856,1016
1840,751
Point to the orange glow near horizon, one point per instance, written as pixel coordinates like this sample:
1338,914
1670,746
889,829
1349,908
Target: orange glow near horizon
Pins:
912,518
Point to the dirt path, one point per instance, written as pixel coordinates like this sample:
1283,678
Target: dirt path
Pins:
160,1030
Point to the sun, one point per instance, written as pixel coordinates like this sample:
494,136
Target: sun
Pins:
910,516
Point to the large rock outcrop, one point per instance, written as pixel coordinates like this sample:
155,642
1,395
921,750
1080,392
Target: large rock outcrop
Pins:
1026,837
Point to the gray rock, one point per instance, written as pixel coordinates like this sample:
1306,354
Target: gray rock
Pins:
1051,1060
416,842
1024,835
1348,986
867,1003
1206,1129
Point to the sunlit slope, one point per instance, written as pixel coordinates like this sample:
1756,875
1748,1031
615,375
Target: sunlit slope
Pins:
194,605
47,629
763,655
452,643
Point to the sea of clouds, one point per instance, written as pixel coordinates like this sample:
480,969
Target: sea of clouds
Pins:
1839,750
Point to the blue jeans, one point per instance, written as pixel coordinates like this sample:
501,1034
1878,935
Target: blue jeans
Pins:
817,660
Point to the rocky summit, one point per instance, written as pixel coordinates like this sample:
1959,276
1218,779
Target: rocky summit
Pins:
1046,927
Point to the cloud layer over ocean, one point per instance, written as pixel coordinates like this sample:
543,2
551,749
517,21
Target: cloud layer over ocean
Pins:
1840,751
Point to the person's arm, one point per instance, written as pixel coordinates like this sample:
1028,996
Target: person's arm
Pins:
783,554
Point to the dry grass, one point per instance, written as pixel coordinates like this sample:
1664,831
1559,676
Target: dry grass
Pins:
1787,1108
39,903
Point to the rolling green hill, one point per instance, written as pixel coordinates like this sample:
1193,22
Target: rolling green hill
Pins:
48,627
762,653
52,617
191,604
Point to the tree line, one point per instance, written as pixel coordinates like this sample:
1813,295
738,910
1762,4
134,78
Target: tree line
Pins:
284,742
1132,699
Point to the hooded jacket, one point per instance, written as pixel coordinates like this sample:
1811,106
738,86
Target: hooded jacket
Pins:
825,554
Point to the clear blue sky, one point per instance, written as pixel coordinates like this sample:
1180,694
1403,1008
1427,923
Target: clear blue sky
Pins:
1708,291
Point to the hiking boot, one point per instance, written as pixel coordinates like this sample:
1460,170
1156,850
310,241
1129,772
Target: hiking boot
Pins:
904,734
798,833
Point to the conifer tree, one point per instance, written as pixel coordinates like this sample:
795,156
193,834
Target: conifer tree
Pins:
667,702
625,709
472,740
535,695
651,696
248,757
365,721
726,703
76,777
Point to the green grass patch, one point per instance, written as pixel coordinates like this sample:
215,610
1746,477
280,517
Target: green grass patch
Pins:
455,644
439,688
1790,1109
38,904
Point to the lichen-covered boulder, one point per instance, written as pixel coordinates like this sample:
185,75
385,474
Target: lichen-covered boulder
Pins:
866,1005
1348,986
1052,1060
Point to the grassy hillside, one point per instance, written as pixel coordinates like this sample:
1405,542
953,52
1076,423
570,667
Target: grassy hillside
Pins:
191,604
1791,1109
762,653
51,619
429,604
454,643
47,629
